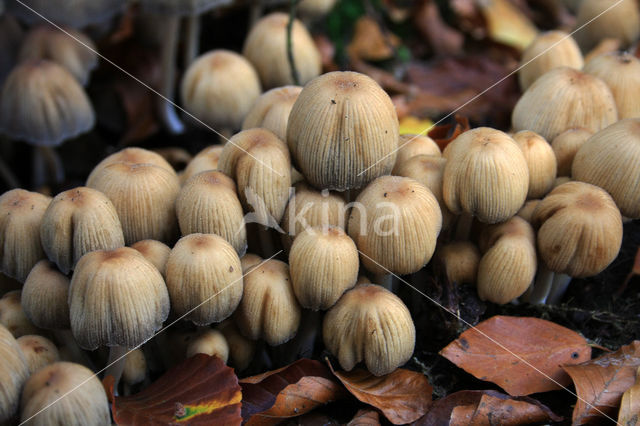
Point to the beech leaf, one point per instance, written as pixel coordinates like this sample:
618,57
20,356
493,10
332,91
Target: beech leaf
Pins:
288,392
202,390
601,382
403,396
542,348
365,417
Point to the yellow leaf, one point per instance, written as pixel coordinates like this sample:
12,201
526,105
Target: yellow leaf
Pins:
507,24
414,126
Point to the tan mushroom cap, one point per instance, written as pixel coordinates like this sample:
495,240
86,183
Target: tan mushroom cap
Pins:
395,224
619,19
564,98
14,371
76,222
412,145
21,214
116,298
541,162
485,158
459,260
133,155
526,212
579,229
44,389
44,297
271,110
338,153
204,278
249,260
13,316
241,349
38,351
219,88
205,160
370,324
42,103
609,159
210,342
566,145
155,252
315,9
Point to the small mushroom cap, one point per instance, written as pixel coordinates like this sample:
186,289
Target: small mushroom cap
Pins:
541,162
210,342
48,42
135,367
219,88
562,99
269,309
338,153
395,224
51,396
370,324
566,145
609,159
44,297
315,9
526,212
324,264
410,146
508,264
600,19
579,229
249,260
42,103
73,13
13,317
460,261
485,158
155,252
205,160
116,297
38,351
266,48
133,155
241,349
14,371
201,290
271,110
21,214
76,222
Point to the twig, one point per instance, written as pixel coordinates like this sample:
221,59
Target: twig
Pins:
292,63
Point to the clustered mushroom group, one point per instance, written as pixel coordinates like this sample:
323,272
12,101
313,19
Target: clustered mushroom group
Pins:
319,170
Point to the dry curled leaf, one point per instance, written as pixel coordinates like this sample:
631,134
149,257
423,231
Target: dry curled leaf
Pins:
488,351
288,392
403,396
365,417
601,382
486,408
202,390
629,414
370,42
445,133
443,39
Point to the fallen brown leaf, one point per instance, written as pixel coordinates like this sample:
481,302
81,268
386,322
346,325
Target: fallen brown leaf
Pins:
365,417
486,408
443,39
629,414
446,133
370,43
601,382
403,396
288,392
542,348
199,391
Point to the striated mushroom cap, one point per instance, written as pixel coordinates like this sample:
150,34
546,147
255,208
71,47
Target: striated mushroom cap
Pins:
566,145
13,317
618,19
14,371
155,252
38,351
205,160
44,297
210,342
410,146
541,162
271,110
459,260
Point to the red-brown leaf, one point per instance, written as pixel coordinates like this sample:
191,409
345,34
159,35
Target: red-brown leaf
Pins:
365,418
601,382
403,396
202,390
445,133
542,348
288,392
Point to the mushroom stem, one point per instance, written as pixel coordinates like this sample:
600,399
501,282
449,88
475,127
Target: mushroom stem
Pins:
192,46
115,364
54,163
167,111
8,176
65,338
463,227
541,286
386,281
558,288
265,241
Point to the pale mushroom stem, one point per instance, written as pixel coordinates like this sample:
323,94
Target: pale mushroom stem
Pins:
192,46
558,288
115,364
167,110
266,244
386,281
54,163
77,355
541,286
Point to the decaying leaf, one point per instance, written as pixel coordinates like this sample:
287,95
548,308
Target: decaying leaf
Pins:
199,391
445,133
411,125
542,348
507,24
601,382
370,42
629,414
486,408
288,392
443,39
366,417
403,396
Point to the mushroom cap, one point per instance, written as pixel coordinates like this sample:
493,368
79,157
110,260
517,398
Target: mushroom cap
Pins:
13,317
526,212
182,7
219,88
208,204
609,159
412,145
370,324
508,264
42,103
116,298
619,19
44,297
249,260
549,50
269,309
133,155
460,261
241,349
72,13
266,48
323,263
315,9
210,342
135,367
541,162
621,72
485,158
51,396
155,252
38,351
395,223
76,222
579,229
48,42
201,290
205,160
343,131
14,371
566,145
21,214
271,110
562,99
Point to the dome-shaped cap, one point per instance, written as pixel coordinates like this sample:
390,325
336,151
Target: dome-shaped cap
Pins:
13,316
14,371
44,297
38,351
271,110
